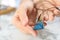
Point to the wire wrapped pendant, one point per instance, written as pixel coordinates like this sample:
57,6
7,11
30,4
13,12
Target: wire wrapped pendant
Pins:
39,24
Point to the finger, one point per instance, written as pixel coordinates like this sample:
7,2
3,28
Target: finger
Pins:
33,32
44,23
56,12
29,30
51,16
22,15
46,17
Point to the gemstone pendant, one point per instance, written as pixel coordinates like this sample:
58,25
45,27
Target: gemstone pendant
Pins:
39,26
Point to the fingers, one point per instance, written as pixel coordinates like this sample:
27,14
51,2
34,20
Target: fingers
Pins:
48,16
25,29
51,16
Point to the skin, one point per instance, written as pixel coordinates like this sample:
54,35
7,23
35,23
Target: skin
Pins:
21,19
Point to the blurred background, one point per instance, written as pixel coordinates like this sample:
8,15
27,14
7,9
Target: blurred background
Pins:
9,32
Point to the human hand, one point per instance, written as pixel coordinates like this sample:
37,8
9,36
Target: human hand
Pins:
21,20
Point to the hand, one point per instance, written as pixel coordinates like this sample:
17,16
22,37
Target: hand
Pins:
22,25
20,20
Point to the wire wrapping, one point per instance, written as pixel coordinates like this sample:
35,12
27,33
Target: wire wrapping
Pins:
40,19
